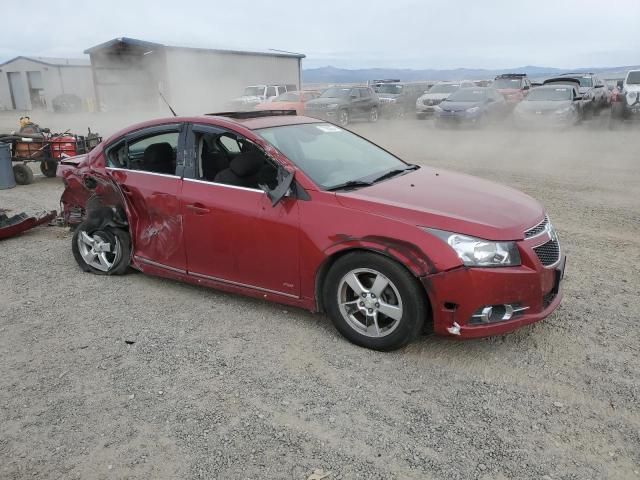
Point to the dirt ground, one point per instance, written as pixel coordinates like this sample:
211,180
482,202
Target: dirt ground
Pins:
139,377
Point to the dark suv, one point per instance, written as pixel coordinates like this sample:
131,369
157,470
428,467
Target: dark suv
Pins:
397,98
343,104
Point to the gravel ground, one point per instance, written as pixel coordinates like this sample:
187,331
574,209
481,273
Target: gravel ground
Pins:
139,377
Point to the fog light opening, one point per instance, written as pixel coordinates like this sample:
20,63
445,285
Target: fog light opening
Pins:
497,313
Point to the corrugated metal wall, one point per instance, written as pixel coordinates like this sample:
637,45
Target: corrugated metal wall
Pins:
53,81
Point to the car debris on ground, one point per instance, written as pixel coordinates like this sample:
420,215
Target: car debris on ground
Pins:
16,224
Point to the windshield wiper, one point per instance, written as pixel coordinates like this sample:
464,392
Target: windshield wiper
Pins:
394,172
350,184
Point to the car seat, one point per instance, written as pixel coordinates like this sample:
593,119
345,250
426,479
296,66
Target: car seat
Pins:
159,158
243,170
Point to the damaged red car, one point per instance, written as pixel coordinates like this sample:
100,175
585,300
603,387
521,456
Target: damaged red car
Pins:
302,212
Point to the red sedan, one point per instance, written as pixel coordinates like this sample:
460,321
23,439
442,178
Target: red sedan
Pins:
302,212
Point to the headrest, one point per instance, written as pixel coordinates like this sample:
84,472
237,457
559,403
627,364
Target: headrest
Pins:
158,152
246,164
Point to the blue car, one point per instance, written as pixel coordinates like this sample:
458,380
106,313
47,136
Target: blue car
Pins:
472,106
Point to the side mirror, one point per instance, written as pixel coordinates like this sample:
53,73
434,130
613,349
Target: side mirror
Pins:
620,84
578,97
599,86
283,188
526,87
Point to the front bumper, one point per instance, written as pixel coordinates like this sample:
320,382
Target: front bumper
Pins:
458,294
458,118
545,120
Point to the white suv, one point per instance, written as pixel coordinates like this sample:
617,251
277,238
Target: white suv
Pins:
255,94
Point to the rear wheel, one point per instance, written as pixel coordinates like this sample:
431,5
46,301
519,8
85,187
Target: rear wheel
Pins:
104,251
23,174
48,168
374,301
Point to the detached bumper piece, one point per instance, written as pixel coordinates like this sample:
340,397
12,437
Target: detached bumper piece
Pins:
12,226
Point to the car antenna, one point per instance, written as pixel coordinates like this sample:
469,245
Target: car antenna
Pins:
165,101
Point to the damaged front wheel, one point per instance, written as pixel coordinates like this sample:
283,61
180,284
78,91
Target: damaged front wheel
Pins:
104,251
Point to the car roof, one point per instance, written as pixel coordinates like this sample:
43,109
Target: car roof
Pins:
260,120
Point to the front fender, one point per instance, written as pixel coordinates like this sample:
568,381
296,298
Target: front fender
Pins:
404,252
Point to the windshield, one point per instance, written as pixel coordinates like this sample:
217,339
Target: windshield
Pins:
468,95
633,78
288,97
335,92
513,83
389,88
329,155
444,88
253,91
555,94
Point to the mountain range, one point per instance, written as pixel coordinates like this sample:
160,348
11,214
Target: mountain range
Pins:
342,75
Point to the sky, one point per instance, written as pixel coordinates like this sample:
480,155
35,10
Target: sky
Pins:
416,34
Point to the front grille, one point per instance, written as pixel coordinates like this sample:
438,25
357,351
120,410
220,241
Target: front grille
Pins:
538,229
548,253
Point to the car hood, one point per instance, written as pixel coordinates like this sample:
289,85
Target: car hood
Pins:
542,106
459,106
450,201
434,96
325,101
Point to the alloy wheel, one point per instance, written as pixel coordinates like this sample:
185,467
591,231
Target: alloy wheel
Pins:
369,302
98,252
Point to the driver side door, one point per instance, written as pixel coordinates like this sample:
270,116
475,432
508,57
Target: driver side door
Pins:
232,233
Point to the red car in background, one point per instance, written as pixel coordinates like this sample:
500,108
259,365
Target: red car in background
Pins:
513,86
289,101
302,212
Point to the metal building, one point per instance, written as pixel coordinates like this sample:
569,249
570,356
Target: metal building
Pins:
129,73
31,83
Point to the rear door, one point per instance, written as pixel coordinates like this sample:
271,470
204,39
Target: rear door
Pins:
147,165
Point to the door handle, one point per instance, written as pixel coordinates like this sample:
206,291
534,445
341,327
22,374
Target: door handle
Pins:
198,209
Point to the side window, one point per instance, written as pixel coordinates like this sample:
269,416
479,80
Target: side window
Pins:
271,92
231,160
364,93
154,153
291,87
354,93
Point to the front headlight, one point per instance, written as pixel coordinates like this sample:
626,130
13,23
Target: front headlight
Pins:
473,109
476,252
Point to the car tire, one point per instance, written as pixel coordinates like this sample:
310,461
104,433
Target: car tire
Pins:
374,115
343,117
48,168
23,174
115,261
374,301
